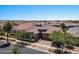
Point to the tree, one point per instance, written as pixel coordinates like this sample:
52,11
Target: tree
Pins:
57,38
16,50
7,28
64,28
62,25
60,38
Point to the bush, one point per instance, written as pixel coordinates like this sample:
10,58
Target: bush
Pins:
24,36
70,47
2,33
16,50
67,52
23,43
29,40
50,50
57,51
12,35
57,44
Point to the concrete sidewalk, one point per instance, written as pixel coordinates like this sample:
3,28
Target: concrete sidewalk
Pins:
48,49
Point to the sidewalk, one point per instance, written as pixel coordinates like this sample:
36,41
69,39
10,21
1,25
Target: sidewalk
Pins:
42,47
48,49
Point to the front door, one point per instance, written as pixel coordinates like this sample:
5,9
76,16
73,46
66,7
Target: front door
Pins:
39,36
45,36
42,36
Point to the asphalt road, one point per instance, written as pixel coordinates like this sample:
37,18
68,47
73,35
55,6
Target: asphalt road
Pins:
26,50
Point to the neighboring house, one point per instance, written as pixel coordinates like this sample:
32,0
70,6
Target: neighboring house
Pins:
73,29
1,25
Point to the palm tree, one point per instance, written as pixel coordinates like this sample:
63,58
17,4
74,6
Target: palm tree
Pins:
7,28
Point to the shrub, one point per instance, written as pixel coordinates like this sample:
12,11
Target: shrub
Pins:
70,47
25,36
2,33
50,50
29,40
67,52
57,44
16,50
57,51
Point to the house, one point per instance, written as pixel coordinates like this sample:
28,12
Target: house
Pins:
1,25
21,27
36,28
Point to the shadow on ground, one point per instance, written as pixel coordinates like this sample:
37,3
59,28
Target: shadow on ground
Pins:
5,45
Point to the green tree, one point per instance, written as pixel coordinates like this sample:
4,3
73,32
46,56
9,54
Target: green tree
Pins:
62,25
16,50
59,37
7,28
64,28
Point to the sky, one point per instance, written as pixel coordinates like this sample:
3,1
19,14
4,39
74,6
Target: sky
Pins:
39,12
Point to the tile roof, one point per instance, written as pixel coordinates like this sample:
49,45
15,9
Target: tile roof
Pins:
22,26
30,27
49,29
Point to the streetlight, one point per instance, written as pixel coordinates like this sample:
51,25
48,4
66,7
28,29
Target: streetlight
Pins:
62,46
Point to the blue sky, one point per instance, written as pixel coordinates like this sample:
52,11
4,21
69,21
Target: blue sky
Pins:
39,12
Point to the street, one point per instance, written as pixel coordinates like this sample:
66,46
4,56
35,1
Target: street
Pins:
26,50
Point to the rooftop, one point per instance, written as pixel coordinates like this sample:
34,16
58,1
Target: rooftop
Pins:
22,26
